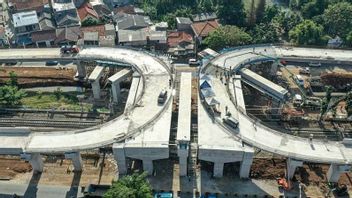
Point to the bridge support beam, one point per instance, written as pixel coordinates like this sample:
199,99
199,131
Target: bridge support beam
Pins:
35,159
116,92
218,169
291,167
96,89
183,156
115,83
81,69
76,160
148,166
120,157
336,170
246,164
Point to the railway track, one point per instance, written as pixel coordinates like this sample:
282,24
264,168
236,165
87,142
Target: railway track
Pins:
48,123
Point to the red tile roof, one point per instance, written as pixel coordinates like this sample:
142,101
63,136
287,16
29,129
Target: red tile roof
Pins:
45,35
204,28
129,9
96,28
174,38
87,10
22,5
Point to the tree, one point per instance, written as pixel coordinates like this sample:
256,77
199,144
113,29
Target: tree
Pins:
231,12
338,19
307,33
227,36
260,11
270,13
288,20
11,95
313,8
266,32
13,79
130,186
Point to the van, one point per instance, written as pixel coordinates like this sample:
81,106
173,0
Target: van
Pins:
300,80
312,64
230,121
193,62
162,97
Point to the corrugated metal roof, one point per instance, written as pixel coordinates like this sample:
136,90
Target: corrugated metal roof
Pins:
25,18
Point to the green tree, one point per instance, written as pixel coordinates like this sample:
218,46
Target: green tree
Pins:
313,8
231,12
227,36
338,19
307,33
266,32
13,79
11,95
130,186
260,11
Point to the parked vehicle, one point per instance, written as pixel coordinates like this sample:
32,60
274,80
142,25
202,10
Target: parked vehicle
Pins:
230,121
283,62
314,64
162,97
95,190
193,62
69,49
51,63
305,71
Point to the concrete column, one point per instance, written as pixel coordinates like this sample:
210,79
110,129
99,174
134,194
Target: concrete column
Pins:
116,91
76,160
273,69
120,157
246,164
218,169
148,166
96,89
81,69
291,167
35,160
183,155
335,171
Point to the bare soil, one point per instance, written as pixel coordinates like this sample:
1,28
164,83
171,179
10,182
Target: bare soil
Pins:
11,166
39,76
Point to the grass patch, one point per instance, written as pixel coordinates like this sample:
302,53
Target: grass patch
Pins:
46,100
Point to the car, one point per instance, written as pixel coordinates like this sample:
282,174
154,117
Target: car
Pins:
11,63
68,49
305,71
314,64
193,62
162,97
51,63
283,62
230,121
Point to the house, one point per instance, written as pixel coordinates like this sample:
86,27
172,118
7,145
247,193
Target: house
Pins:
207,16
162,26
132,37
27,5
180,44
183,24
25,23
45,38
157,40
99,35
102,10
65,13
202,29
3,38
129,9
88,15
335,42
131,22
46,20
67,35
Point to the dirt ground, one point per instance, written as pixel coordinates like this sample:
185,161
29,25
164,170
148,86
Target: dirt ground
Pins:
58,172
39,76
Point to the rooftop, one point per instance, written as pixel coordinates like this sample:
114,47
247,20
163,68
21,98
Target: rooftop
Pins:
204,28
131,22
175,38
87,10
208,16
21,5
45,35
183,20
25,18
100,29
132,35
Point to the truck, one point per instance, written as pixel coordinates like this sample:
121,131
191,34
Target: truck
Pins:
162,97
69,49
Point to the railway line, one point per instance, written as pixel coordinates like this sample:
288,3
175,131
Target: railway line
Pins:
47,123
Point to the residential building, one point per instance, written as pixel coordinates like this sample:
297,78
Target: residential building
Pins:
46,20
65,13
99,35
180,44
45,38
162,26
88,15
25,23
207,16
202,29
183,24
67,35
136,38
27,5
335,42
131,22
102,10
157,40
3,38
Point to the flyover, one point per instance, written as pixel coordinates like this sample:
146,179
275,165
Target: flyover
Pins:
230,96
142,112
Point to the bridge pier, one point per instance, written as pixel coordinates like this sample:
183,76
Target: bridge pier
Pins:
291,167
246,164
76,160
336,170
81,69
218,170
96,89
148,166
120,157
182,153
115,83
36,161
94,79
